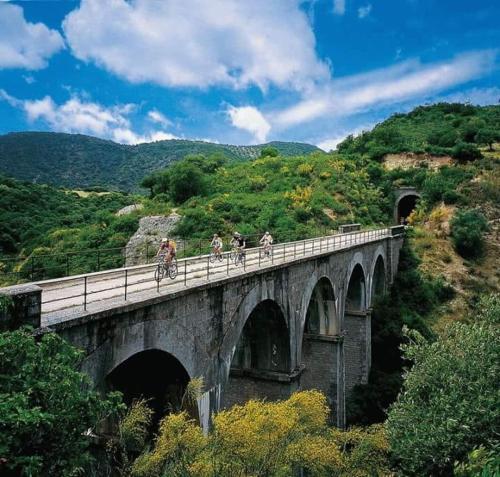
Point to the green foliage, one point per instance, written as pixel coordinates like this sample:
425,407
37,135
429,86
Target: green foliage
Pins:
269,151
450,401
487,137
186,181
439,129
46,406
467,232
481,462
465,152
77,161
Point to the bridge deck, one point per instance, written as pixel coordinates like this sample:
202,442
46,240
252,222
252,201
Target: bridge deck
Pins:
72,297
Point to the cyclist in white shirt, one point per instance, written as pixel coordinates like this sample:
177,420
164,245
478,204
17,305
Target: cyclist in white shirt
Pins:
266,241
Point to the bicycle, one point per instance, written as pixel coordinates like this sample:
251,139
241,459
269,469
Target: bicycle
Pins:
266,251
163,268
215,255
239,256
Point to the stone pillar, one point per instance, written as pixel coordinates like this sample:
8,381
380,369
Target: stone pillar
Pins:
323,370
357,350
23,307
246,384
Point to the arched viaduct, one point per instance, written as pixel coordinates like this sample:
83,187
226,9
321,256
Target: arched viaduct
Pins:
301,324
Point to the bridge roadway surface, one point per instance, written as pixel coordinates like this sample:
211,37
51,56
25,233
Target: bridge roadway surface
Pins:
64,299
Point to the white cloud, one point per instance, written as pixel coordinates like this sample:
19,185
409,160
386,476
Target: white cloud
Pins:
330,144
364,11
250,119
24,44
402,82
158,117
85,117
198,43
339,7
479,96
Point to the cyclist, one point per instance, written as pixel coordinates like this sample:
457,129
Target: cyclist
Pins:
167,250
217,245
238,243
266,241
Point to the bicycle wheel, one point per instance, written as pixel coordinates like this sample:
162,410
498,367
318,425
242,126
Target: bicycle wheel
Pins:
212,256
172,269
232,255
220,257
159,272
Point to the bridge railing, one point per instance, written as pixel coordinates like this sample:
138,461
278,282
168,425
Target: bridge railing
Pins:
121,284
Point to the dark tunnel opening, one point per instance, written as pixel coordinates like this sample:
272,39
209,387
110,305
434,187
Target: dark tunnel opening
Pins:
405,207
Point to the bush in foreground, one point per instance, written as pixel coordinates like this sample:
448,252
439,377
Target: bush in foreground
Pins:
46,406
450,402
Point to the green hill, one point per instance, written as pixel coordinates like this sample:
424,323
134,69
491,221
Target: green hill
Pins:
441,129
78,161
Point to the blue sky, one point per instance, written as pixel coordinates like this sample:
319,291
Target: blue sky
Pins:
239,72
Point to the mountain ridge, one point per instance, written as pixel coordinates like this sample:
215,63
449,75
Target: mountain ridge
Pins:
82,161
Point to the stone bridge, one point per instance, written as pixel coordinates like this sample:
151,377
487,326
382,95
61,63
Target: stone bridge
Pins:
298,320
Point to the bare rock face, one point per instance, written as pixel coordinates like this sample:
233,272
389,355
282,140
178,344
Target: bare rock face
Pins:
143,245
128,209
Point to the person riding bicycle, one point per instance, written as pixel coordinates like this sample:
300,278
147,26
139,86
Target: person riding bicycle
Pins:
167,250
266,241
238,242
217,245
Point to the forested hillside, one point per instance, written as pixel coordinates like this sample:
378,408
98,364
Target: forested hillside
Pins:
77,161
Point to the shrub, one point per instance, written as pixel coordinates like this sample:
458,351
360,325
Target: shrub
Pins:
450,401
46,406
466,152
467,230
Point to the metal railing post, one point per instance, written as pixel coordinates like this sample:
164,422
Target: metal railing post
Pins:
259,257
98,260
147,252
294,249
32,268
200,248
185,271
126,283
67,264
208,267
227,255
85,293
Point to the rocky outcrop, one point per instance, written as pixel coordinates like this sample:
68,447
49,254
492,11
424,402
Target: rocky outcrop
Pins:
142,246
128,209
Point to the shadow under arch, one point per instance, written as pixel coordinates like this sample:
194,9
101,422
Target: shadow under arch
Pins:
261,360
156,376
379,279
321,348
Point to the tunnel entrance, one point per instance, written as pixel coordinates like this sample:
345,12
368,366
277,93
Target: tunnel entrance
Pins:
261,361
153,375
378,284
321,353
405,207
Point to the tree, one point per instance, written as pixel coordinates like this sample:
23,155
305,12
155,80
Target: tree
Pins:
46,406
467,230
450,401
148,183
186,181
487,137
465,152
269,151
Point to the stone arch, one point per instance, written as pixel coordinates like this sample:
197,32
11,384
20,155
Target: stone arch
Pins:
405,204
155,375
356,327
321,316
378,282
355,294
321,347
261,358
